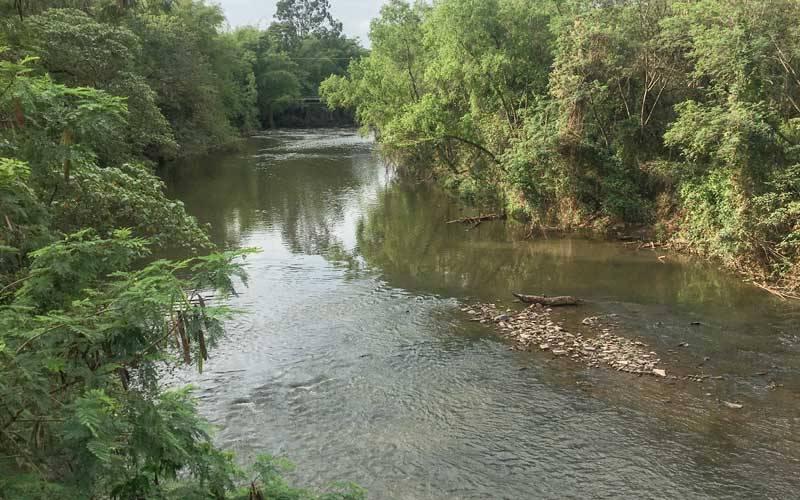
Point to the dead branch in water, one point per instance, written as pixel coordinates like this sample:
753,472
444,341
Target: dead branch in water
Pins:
782,294
475,221
562,300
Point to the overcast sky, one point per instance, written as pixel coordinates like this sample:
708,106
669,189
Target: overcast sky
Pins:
354,14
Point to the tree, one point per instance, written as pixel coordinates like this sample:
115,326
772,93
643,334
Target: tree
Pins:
80,51
683,115
90,92
295,54
88,316
308,18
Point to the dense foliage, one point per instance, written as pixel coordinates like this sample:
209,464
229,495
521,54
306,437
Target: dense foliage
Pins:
91,93
190,84
680,115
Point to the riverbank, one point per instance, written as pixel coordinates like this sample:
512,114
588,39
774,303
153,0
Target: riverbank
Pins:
597,120
640,237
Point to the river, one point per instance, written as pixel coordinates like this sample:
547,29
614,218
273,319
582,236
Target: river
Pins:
353,359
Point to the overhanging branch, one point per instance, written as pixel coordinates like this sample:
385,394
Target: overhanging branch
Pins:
474,145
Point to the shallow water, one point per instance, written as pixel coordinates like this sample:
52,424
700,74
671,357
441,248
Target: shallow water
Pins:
353,359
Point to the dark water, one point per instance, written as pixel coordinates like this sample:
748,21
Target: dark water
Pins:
354,360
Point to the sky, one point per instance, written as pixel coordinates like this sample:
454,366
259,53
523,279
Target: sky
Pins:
354,14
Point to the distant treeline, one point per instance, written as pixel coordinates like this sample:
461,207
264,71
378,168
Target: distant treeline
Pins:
681,115
190,85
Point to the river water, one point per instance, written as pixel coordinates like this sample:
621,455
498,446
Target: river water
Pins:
352,357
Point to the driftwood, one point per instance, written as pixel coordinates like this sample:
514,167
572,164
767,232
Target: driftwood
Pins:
782,294
477,219
563,300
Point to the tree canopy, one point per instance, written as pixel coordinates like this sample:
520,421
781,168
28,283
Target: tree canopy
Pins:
93,94
681,116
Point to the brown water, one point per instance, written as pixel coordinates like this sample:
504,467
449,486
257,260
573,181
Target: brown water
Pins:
354,361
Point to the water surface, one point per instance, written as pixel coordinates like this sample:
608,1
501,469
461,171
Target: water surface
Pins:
354,360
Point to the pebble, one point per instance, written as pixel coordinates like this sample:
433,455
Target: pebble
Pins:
533,328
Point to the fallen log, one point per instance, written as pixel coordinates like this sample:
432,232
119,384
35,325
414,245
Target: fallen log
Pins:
562,300
477,219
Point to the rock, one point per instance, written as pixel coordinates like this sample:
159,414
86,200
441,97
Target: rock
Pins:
534,327
733,406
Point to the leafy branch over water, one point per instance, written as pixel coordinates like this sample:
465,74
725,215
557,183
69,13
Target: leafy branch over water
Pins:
90,99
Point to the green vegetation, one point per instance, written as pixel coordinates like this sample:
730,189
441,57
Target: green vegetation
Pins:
92,93
190,85
680,115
